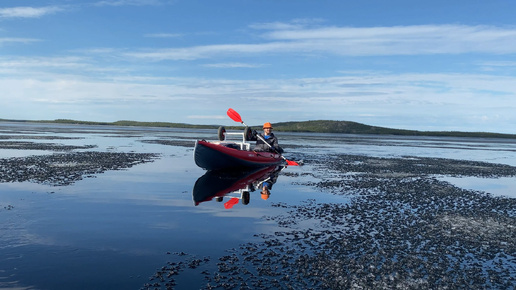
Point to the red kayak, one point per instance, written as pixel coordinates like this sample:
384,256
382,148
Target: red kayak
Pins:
223,154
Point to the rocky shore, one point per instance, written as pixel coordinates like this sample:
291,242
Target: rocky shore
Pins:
61,169
403,229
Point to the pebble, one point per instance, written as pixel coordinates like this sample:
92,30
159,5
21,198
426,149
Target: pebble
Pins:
62,169
403,228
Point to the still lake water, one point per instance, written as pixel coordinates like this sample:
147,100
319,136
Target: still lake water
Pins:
114,230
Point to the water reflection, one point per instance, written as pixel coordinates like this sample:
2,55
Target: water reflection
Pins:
235,185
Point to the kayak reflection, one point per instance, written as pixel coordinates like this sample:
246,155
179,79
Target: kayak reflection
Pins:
235,185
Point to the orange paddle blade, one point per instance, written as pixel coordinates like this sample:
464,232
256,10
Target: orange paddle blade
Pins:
230,203
292,163
234,115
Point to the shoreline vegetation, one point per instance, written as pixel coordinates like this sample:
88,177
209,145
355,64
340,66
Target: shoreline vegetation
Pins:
318,126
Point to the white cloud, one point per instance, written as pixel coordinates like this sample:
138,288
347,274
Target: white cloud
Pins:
7,40
394,89
209,117
443,100
276,26
70,83
40,62
497,65
28,12
209,51
397,40
357,41
233,65
128,2
294,24
163,35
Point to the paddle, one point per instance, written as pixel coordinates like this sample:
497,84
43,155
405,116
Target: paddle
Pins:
235,116
230,203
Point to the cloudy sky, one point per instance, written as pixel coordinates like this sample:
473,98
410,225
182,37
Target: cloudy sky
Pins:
424,65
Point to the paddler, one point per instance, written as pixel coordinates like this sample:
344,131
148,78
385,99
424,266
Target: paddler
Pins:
268,137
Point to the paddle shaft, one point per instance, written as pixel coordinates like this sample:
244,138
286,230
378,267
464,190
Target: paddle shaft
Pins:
270,146
235,116
289,162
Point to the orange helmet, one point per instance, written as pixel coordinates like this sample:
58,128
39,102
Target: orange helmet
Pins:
265,192
267,125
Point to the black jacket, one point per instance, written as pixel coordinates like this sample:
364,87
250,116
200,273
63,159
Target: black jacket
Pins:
261,146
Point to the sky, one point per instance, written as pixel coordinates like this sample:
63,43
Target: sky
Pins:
421,65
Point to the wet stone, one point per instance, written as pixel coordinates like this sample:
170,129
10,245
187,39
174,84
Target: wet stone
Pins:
26,145
66,168
180,143
403,228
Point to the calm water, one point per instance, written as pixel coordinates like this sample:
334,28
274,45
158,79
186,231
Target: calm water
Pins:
115,230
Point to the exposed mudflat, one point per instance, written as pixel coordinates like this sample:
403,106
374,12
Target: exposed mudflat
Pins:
403,228
23,145
182,143
60,169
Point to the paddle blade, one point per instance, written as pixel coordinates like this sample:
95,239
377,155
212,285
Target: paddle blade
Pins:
234,115
230,203
291,163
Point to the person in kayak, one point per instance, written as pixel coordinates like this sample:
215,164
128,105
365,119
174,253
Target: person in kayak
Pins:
268,137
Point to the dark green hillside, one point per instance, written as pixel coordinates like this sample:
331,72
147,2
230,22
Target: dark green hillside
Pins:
327,126
319,126
347,127
161,124
132,123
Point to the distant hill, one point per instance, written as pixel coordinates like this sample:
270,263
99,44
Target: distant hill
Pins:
118,123
327,126
318,126
347,127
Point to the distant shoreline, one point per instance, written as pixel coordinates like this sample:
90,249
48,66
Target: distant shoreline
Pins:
319,126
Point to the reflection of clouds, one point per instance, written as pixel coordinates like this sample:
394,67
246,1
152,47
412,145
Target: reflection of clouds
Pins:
27,186
238,211
15,234
503,186
211,208
169,225
21,153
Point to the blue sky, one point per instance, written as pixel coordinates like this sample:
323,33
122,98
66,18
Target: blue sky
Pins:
424,65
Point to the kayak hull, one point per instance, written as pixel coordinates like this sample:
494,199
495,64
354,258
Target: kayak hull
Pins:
220,155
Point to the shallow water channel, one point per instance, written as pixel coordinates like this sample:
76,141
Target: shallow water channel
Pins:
98,207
